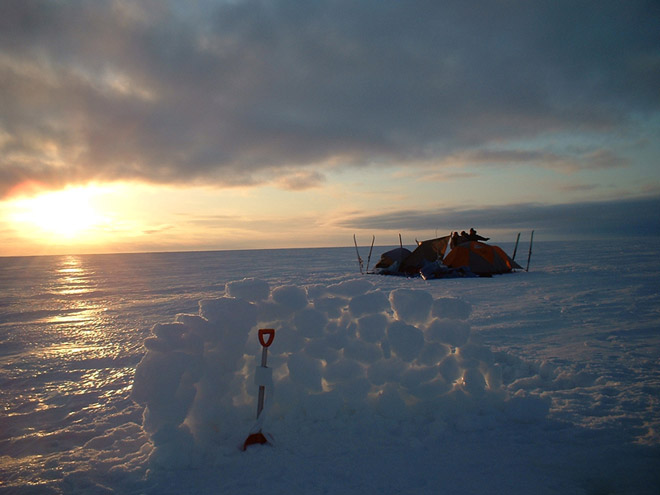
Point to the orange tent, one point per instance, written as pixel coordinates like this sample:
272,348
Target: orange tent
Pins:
480,258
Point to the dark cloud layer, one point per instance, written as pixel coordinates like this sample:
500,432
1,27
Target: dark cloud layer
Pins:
616,219
233,92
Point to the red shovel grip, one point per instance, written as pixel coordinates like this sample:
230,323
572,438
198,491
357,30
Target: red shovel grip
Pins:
266,332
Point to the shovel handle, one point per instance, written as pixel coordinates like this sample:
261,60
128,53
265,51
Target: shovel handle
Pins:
266,332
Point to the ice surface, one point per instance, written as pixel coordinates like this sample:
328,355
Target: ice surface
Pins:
543,382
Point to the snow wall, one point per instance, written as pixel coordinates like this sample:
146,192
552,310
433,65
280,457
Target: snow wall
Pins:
342,354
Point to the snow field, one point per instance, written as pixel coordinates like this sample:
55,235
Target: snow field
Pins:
347,353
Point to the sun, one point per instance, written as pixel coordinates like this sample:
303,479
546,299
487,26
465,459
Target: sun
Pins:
66,214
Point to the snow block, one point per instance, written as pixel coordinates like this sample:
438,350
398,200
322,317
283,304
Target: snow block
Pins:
405,340
372,328
411,306
452,332
231,318
351,288
451,308
290,297
310,323
331,306
249,289
370,303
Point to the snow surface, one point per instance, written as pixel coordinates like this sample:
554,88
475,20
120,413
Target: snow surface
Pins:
543,382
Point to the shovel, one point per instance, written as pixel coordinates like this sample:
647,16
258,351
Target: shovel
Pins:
266,337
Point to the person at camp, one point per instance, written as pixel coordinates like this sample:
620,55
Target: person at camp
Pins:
473,236
457,239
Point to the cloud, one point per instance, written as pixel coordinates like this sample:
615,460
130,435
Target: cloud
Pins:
568,160
580,188
234,93
599,219
159,229
300,180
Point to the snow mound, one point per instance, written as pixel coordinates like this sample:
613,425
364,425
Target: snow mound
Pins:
340,352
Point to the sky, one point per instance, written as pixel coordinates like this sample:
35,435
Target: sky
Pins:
237,124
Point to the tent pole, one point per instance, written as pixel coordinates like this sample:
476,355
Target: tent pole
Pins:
373,239
529,255
515,249
358,254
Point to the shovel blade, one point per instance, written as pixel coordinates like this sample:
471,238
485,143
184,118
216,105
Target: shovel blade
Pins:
254,439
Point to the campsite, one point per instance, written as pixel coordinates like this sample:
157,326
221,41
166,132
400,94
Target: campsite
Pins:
451,256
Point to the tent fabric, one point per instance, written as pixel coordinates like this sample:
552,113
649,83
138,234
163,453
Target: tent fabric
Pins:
480,258
393,256
425,252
